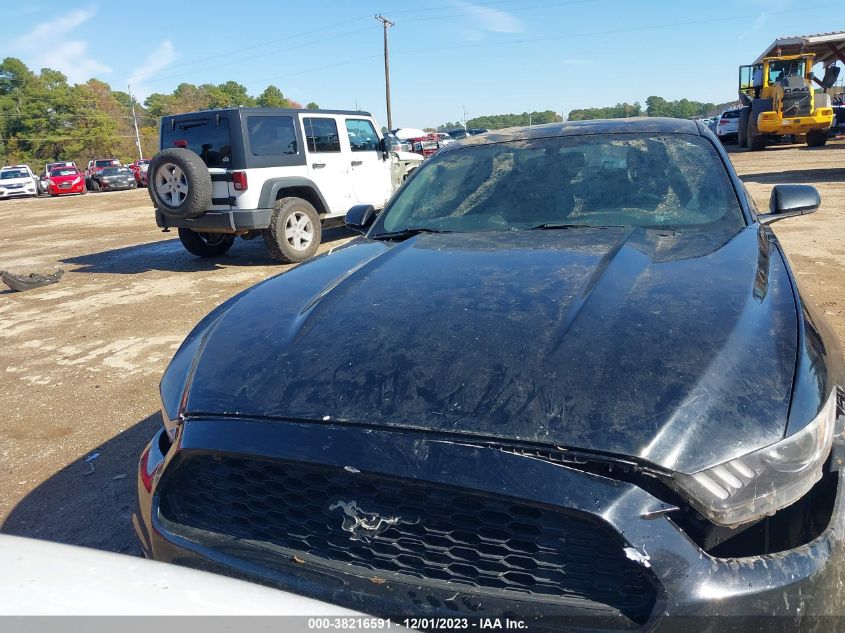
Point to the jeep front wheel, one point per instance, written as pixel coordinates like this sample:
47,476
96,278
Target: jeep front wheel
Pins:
294,232
206,244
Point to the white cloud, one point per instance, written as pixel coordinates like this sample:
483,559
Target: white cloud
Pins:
80,67
758,23
490,19
48,31
46,46
156,61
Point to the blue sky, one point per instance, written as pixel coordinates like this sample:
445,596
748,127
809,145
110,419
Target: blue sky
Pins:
488,57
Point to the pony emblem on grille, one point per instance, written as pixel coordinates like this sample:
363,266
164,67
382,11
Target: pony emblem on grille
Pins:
363,525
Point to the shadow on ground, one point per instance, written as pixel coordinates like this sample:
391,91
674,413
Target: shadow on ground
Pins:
79,506
170,255
797,176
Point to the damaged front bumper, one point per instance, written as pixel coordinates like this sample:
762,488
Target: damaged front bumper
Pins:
652,556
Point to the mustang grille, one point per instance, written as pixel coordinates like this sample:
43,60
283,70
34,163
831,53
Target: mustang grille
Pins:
447,536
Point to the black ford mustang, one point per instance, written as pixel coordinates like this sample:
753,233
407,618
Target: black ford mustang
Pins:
567,373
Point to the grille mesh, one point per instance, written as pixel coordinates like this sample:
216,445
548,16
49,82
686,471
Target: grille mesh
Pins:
441,534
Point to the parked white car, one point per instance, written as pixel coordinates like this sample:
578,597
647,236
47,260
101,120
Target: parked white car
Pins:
17,181
727,126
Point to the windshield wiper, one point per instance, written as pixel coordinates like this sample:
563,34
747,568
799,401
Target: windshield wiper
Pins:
552,225
406,233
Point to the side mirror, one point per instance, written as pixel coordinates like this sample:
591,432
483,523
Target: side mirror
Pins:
360,217
790,200
383,148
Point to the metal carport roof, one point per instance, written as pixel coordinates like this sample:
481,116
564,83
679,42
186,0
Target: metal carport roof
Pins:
828,47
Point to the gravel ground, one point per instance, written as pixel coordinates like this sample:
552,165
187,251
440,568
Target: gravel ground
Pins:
80,361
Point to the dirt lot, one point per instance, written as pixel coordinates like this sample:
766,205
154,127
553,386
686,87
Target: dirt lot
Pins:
80,361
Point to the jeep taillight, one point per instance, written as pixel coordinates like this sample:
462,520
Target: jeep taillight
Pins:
239,180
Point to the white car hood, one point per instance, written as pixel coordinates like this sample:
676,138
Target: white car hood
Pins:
42,578
408,156
26,180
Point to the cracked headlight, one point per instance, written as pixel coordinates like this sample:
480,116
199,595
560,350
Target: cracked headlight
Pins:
761,483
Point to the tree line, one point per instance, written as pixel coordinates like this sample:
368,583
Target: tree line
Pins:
499,121
655,106
44,118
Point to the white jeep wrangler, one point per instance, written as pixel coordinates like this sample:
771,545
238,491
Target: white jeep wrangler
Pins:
278,173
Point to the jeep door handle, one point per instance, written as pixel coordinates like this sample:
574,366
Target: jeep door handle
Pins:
318,165
357,163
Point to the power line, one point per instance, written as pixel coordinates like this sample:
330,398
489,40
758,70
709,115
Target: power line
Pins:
240,60
452,6
499,43
270,42
67,116
60,138
476,10
611,32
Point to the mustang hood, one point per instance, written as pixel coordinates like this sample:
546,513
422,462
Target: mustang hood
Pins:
676,348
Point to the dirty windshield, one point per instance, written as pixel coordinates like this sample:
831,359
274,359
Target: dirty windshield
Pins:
594,180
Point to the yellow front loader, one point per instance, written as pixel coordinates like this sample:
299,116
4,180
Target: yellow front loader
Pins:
779,99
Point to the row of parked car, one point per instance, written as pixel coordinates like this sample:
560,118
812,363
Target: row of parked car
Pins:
426,143
65,178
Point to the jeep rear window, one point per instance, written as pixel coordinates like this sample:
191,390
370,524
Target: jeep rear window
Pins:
202,136
321,135
271,135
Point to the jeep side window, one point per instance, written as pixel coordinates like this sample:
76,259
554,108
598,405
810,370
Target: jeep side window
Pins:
321,135
271,135
362,135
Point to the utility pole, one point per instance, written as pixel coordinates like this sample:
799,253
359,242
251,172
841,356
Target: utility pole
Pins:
135,121
386,24
465,116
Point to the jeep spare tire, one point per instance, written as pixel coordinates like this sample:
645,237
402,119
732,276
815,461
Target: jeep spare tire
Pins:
179,183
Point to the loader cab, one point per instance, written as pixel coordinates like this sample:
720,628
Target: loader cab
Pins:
780,70
775,71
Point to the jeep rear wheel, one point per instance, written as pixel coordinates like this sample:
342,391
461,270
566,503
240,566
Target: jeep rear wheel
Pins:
206,244
294,232
179,183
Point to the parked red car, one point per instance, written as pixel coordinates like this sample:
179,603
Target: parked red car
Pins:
65,180
421,142
139,170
